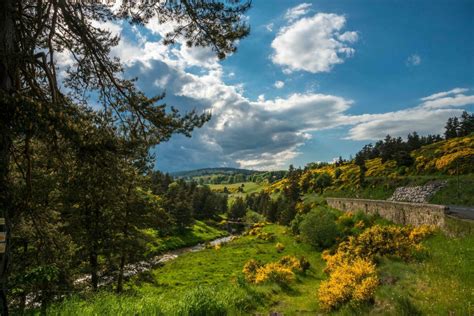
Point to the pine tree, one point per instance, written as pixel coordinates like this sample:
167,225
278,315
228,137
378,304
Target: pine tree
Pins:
450,129
466,126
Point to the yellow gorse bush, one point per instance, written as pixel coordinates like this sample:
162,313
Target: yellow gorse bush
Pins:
448,156
351,269
353,282
376,168
282,271
250,270
291,262
419,233
257,231
274,272
279,247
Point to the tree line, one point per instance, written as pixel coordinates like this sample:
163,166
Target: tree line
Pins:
86,212
281,209
398,149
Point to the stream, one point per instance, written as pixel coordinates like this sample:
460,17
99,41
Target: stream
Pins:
132,269
138,267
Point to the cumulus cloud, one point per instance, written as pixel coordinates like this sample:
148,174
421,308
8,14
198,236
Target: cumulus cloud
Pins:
279,84
428,117
296,12
263,133
314,44
413,60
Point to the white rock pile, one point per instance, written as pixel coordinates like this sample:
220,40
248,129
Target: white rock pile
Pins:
417,194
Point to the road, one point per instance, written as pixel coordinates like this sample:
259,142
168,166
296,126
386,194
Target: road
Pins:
461,211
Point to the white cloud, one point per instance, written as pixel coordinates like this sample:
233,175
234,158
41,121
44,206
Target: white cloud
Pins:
266,133
413,60
314,44
279,84
427,118
444,93
269,27
296,12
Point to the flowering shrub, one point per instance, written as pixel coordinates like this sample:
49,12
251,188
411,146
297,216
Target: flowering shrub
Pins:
259,233
351,268
448,156
279,247
254,231
376,168
250,270
419,233
282,272
355,282
265,236
291,262
274,272
259,225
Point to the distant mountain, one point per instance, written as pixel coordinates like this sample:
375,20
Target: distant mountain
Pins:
212,171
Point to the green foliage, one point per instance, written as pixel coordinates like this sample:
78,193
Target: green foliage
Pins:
295,224
458,191
252,217
319,228
200,301
323,181
436,284
353,224
406,308
238,209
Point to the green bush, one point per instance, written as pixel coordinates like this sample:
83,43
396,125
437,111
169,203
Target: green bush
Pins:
252,217
319,228
295,224
353,224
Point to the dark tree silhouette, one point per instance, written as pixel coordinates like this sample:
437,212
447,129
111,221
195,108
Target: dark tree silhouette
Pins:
33,105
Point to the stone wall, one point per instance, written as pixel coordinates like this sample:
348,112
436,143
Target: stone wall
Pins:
417,194
404,213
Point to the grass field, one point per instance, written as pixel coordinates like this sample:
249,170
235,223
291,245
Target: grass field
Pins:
248,188
199,233
437,283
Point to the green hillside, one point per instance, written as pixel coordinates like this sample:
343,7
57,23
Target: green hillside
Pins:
448,160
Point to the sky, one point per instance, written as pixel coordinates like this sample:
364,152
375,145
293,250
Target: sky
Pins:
314,80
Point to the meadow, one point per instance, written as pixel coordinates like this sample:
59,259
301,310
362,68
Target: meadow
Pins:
211,282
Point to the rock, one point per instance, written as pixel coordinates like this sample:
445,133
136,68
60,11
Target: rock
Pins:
417,194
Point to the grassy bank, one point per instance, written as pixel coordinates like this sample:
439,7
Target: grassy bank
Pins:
200,232
439,282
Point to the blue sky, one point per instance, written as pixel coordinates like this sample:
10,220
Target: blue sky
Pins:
313,80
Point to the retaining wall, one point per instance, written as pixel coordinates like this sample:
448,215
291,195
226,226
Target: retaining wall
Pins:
404,213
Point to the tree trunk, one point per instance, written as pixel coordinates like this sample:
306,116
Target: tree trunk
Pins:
120,276
7,71
94,269
124,248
